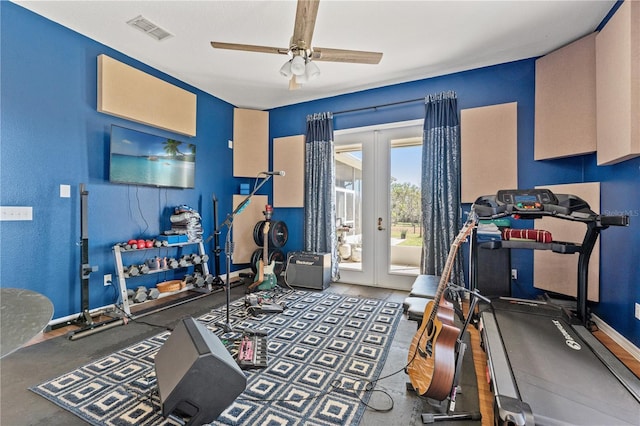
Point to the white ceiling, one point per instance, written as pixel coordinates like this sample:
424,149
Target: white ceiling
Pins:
419,39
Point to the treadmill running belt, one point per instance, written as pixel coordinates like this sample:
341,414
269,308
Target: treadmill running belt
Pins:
559,376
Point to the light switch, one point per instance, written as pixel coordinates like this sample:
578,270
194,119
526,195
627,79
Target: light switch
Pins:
16,213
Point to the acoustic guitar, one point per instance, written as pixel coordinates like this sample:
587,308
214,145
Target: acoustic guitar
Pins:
265,277
431,361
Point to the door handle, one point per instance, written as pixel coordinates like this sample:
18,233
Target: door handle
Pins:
380,228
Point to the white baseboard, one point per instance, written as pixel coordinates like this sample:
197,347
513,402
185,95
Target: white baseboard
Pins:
617,337
108,308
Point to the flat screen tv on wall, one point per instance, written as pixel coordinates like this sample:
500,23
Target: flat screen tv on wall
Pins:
140,158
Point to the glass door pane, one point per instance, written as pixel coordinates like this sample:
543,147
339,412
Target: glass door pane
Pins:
405,238
349,206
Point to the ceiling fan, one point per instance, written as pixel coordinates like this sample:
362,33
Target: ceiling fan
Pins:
301,67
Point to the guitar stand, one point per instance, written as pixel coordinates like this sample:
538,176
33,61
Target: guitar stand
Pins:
217,281
461,346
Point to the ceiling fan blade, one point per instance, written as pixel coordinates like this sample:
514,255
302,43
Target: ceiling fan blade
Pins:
249,47
306,13
293,84
341,55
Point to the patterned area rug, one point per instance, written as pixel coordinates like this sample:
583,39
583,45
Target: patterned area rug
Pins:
323,350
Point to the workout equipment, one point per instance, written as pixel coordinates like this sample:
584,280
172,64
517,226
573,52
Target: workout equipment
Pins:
85,321
197,377
545,366
153,293
274,255
140,296
277,235
266,278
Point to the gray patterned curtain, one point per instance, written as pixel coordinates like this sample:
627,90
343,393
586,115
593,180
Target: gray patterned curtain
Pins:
441,206
319,195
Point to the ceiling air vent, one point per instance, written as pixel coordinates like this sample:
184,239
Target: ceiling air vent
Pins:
148,27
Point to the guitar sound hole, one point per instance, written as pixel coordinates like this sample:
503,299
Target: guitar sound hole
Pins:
428,349
429,328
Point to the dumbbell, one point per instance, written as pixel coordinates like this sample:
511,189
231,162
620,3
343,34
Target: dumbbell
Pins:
153,263
144,269
195,259
188,279
133,271
141,295
205,258
198,280
208,279
172,263
154,293
184,261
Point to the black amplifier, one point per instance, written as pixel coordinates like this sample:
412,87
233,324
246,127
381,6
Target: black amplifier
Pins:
309,270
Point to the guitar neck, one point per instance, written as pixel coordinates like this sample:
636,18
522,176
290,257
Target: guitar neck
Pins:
446,272
265,243
444,279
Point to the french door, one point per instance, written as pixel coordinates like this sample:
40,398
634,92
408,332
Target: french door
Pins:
378,215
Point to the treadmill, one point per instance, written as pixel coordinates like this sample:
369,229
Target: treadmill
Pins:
544,365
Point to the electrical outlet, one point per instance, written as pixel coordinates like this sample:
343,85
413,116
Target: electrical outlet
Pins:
514,274
107,280
638,311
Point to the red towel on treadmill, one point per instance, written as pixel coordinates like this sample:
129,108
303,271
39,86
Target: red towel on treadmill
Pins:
537,235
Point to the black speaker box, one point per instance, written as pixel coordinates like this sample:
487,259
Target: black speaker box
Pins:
309,270
197,376
494,272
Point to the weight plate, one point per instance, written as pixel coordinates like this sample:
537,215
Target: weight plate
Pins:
278,234
255,257
277,255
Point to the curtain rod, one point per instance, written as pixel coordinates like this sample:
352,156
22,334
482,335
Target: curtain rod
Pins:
378,106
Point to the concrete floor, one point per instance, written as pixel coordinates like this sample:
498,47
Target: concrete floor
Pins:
34,364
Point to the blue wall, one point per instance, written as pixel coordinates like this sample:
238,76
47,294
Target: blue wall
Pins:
51,134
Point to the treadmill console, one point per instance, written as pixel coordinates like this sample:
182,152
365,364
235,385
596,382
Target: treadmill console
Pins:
527,199
540,202
533,204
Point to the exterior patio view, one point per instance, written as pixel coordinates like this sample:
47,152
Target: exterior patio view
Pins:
405,233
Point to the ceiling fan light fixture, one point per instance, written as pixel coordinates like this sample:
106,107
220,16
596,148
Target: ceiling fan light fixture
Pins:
302,78
312,71
285,70
297,65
